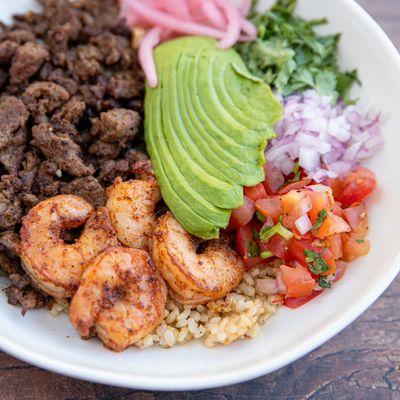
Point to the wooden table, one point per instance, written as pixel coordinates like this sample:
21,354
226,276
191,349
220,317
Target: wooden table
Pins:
362,362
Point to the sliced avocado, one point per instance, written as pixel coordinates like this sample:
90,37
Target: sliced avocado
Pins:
256,99
190,138
193,222
227,133
219,216
230,119
241,160
220,192
206,144
206,126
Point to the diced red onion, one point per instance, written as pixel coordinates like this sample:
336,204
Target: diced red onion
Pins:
327,140
320,188
267,286
305,205
280,284
303,224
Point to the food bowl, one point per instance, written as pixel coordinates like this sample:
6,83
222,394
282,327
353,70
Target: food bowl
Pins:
51,343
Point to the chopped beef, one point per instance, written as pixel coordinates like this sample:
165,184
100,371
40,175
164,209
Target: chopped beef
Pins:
44,97
116,126
7,51
60,148
123,86
13,115
26,61
62,78
9,243
87,187
10,206
71,108
71,112
46,179
20,36
21,292
9,252
111,169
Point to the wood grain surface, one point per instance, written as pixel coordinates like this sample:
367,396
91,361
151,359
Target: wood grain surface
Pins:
362,362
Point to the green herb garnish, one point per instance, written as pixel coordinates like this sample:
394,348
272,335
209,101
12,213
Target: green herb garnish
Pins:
296,172
252,248
261,217
256,235
360,241
319,221
266,254
267,232
316,264
290,56
324,283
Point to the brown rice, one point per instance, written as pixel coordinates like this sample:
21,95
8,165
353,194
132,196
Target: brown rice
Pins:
237,316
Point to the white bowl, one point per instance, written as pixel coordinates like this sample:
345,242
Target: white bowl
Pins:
51,343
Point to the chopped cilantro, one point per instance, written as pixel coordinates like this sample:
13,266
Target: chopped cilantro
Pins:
360,241
324,283
315,262
261,217
290,56
256,235
319,221
252,248
266,254
267,232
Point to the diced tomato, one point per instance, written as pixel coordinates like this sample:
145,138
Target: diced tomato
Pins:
279,246
295,204
356,216
297,251
337,210
354,246
340,270
331,226
335,184
357,186
270,207
334,244
243,234
252,262
298,281
255,192
296,302
274,178
359,172
299,185
242,215
320,201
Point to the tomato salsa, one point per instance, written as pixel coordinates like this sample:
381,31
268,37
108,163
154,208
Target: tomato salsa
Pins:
312,229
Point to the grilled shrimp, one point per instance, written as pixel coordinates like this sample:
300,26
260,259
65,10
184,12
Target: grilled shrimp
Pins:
194,278
55,266
121,298
131,206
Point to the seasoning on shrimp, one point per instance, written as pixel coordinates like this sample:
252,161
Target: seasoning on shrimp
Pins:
55,266
131,206
121,298
194,278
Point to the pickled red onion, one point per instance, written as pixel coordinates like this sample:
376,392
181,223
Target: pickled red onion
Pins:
219,19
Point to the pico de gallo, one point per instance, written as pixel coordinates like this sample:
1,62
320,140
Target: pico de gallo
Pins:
312,228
